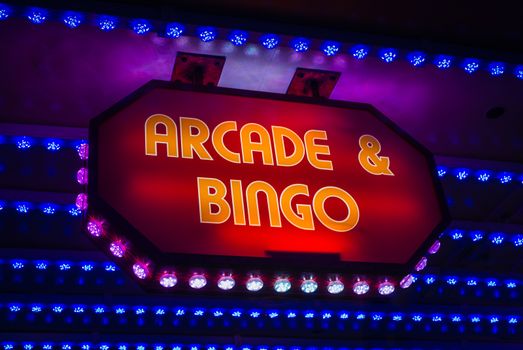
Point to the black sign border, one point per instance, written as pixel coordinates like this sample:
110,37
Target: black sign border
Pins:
294,264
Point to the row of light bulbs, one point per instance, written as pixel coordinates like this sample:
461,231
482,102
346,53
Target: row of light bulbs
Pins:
308,284
429,279
81,146
270,41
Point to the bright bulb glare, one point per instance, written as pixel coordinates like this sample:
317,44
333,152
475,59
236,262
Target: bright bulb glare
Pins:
282,285
197,281
360,287
335,287
226,282
254,284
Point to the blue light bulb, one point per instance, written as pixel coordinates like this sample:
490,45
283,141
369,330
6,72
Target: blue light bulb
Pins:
456,234
73,210
475,319
23,207
483,175
141,26
492,283
388,55
207,34
99,309
110,267
5,12
497,238
238,37
416,58
496,68
417,318
452,280
41,265
270,41
72,19
471,65
37,15
456,318
330,48
472,282
377,317
87,266
397,317
300,44
49,208
512,319
107,23
505,177
518,240
17,264
174,30
442,171
23,142
359,51
462,173
53,144
443,61
430,279
518,72
476,235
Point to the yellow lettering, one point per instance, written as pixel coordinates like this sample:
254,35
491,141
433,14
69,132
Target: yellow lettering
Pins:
249,146
344,225
208,199
302,218
253,210
153,138
313,149
238,211
279,134
193,143
219,145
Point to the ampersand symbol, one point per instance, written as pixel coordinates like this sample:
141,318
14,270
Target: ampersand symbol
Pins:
369,158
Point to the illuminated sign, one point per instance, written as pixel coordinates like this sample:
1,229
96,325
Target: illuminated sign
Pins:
213,177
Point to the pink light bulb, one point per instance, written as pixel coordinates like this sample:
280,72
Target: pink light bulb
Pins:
118,248
422,263
386,287
141,270
407,281
434,247
360,286
83,151
168,279
81,201
95,227
197,281
82,176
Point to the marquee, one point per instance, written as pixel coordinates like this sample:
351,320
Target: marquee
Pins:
218,178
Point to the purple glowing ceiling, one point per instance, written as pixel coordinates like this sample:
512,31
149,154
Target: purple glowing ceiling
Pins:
56,75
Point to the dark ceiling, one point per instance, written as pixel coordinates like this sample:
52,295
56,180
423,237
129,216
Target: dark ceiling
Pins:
479,26
52,75
484,24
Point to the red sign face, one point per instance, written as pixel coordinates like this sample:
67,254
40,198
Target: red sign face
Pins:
234,174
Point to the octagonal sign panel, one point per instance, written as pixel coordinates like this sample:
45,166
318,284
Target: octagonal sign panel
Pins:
212,182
